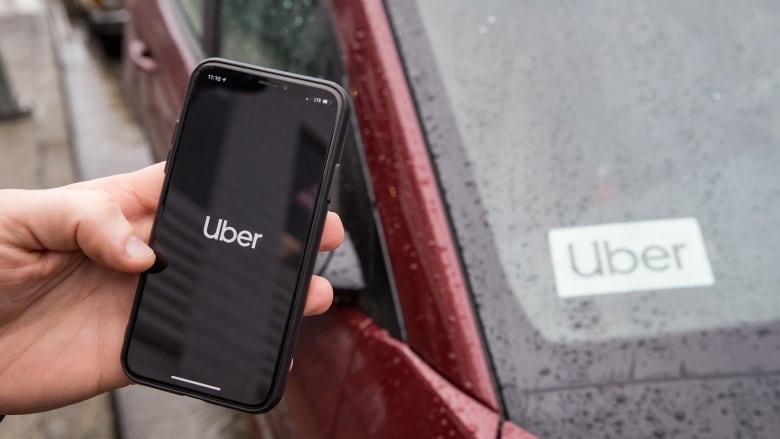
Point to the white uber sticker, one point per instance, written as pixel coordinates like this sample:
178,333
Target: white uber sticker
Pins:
625,257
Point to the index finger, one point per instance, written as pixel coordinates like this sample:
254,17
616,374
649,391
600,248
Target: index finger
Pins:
139,192
333,233
136,192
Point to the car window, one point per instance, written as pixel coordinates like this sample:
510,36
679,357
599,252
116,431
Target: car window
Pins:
298,37
611,170
289,35
194,12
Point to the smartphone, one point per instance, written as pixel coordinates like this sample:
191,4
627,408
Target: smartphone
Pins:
236,233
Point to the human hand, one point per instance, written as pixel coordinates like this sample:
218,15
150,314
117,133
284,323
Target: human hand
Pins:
69,264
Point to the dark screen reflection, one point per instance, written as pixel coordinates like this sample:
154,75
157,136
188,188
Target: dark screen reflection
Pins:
253,157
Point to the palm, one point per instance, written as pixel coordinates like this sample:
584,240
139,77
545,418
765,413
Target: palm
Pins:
77,328
63,316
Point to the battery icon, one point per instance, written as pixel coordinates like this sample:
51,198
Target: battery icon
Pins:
325,101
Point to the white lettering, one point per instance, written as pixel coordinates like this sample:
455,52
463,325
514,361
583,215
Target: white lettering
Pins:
206,226
228,234
244,238
227,228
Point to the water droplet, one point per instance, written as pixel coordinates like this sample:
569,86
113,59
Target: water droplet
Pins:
483,30
716,95
492,19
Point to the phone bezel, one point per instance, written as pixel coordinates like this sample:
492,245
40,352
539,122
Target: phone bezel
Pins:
312,243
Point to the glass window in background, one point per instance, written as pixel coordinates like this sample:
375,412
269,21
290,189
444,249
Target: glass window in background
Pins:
193,10
293,36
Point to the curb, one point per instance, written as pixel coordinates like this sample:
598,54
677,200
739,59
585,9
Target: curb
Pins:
104,137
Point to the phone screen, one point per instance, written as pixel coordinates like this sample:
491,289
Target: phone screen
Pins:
233,225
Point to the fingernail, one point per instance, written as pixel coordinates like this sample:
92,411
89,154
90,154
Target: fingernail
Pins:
137,249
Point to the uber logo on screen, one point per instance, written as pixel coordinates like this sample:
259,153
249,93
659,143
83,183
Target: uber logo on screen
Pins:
624,257
227,234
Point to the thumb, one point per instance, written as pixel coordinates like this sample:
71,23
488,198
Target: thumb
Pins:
67,219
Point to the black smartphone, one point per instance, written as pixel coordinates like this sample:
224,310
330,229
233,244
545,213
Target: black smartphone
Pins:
236,232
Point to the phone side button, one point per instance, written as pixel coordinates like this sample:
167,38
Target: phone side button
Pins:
333,179
173,133
168,161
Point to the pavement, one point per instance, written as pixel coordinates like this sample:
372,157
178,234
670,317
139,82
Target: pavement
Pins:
35,149
35,153
79,127
105,137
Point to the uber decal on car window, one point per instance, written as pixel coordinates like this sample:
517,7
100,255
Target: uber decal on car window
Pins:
625,257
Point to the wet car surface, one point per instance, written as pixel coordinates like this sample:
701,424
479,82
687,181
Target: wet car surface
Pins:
612,113
479,129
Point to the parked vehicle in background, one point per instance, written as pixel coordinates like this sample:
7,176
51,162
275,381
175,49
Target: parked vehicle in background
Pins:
105,17
487,140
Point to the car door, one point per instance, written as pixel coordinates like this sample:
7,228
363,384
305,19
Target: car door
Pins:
354,371
163,42
355,375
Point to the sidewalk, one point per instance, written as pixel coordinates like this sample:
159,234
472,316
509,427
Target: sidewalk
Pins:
35,153
81,128
104,134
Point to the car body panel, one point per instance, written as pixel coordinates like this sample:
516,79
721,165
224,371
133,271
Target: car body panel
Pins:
438,313
352,379
349,372
322,361
392,393
156,68
105,17
388,391
512,431
560,119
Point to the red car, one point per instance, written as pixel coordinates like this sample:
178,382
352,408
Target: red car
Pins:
562,221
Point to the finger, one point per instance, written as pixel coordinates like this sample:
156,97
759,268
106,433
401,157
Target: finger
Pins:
333,233
144,185
137,192
320,296
68,219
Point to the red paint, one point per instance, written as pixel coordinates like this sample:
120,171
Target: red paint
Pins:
390,392
323,358
438,314
351,379
158,94
512,431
